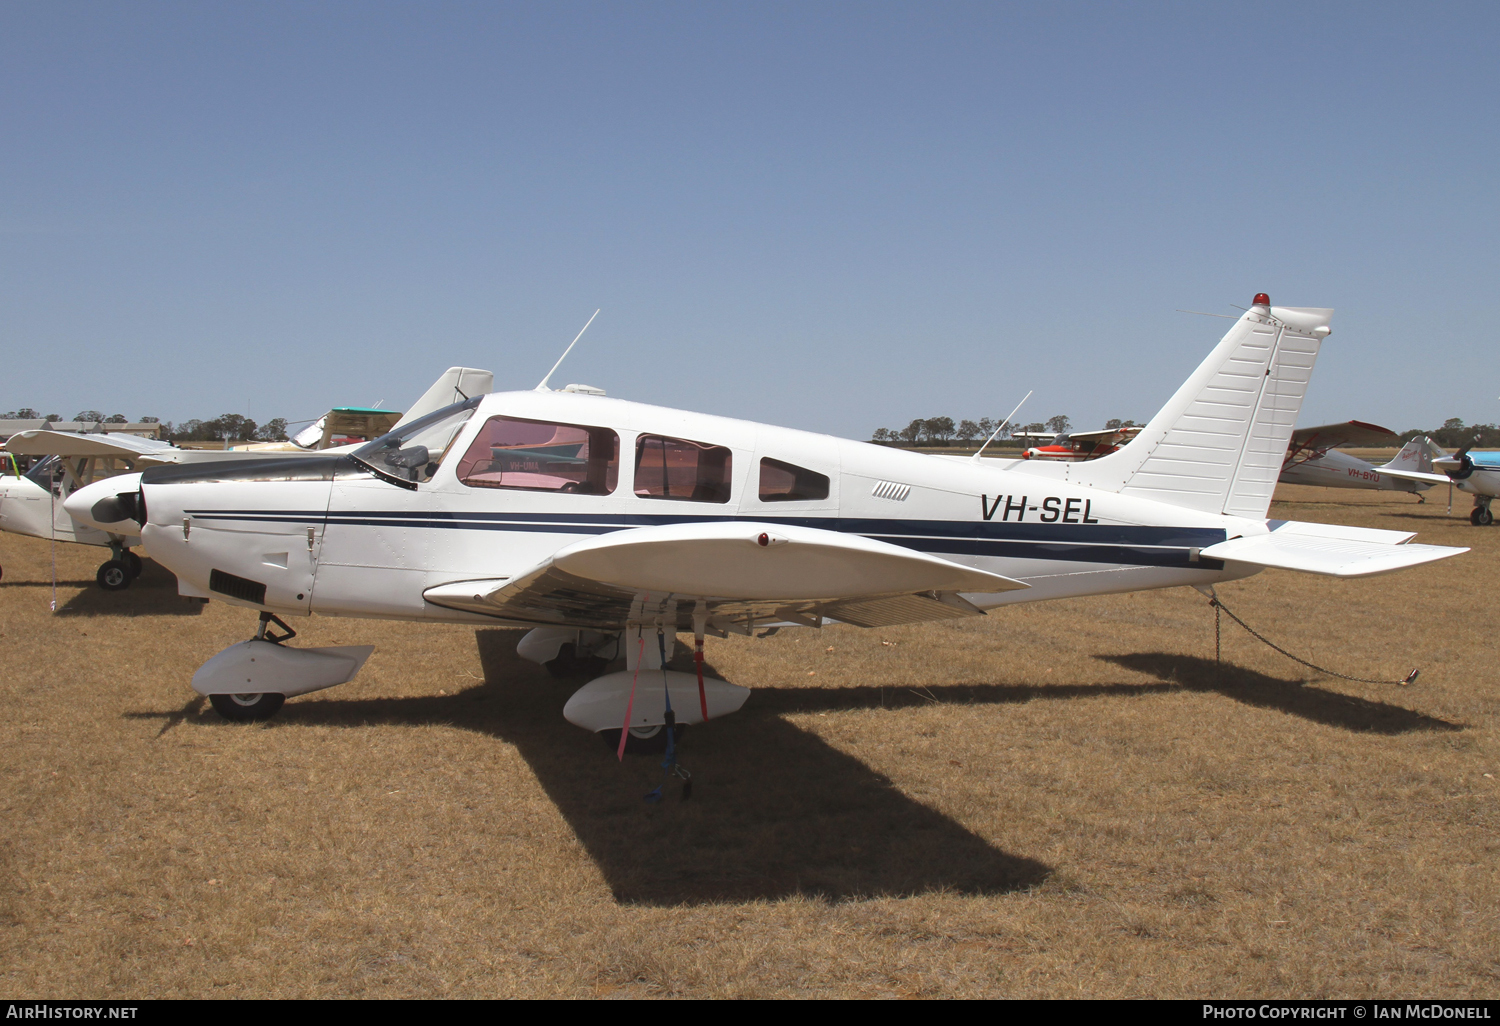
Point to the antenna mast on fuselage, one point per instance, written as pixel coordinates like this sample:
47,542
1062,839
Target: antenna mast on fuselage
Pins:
543,386
1001,426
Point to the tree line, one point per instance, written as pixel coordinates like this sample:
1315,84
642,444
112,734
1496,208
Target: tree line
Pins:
941,431
938,431
227,427
1455,434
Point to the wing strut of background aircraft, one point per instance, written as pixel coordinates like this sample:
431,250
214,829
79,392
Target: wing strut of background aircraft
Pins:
606,527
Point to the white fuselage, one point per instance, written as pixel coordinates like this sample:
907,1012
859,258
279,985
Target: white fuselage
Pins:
325,535
28,507
1334,469
1484,481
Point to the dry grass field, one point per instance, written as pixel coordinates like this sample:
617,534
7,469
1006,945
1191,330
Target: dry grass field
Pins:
1065,799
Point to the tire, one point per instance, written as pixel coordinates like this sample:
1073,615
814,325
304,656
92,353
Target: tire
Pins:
1481,516
653,743
114,575
247,708
569,664
133,562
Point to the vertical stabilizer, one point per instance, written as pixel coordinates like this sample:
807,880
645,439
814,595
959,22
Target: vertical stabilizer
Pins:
1218,444
456,385
1414,455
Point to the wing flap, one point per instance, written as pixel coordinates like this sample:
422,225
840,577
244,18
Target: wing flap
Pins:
745,573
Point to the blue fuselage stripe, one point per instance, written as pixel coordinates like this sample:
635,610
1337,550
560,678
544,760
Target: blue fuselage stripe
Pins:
1105,543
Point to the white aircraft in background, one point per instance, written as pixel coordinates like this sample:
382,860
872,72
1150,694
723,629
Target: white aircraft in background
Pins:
35,502
1312,459
1478,474
607,525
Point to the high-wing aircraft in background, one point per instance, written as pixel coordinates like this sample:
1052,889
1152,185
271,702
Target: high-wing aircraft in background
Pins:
35,502
604,525
1077,446
1313,459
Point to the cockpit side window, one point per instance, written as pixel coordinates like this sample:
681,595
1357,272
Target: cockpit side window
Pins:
787,482
675,468
412,453
540,456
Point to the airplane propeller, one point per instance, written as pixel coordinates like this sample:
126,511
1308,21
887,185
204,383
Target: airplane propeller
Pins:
1465,464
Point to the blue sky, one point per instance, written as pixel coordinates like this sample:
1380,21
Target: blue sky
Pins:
832,216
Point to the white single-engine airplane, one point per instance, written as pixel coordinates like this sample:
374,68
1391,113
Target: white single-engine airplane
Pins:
36,503
608,525
1313,459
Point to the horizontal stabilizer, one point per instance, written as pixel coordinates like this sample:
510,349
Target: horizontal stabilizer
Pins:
1415,475
1286,528
1334,557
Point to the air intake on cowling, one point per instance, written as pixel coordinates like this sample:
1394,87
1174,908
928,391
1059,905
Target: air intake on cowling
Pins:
237,587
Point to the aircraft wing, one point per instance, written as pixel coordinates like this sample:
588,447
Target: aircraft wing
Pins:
1353,432
745,573
66,443
1106,434
1416,475
1329,550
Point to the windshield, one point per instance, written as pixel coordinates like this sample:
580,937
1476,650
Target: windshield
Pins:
43,474
413,452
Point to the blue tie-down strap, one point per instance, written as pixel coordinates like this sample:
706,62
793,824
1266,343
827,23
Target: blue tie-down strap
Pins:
669,758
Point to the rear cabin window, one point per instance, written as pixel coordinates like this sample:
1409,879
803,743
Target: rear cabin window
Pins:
540,456
674,468
786,482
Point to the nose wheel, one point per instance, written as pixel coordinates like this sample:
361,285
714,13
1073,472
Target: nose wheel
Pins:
116,574
1481,516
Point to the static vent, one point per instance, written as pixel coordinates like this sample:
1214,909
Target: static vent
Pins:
891,490
237,587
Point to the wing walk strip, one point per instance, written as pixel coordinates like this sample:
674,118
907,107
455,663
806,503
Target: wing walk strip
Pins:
1136,546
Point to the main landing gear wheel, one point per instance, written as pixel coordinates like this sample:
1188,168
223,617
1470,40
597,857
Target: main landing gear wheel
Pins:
114,575
568,663
1481,516
133,563
642,740
247,708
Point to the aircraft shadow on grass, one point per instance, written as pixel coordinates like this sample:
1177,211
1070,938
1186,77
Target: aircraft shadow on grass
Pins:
154,593
1291,696
775,812
28,583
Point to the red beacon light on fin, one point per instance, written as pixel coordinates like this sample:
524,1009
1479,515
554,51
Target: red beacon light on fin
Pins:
1261,299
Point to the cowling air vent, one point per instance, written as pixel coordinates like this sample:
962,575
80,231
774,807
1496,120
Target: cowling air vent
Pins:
237,587
891,490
